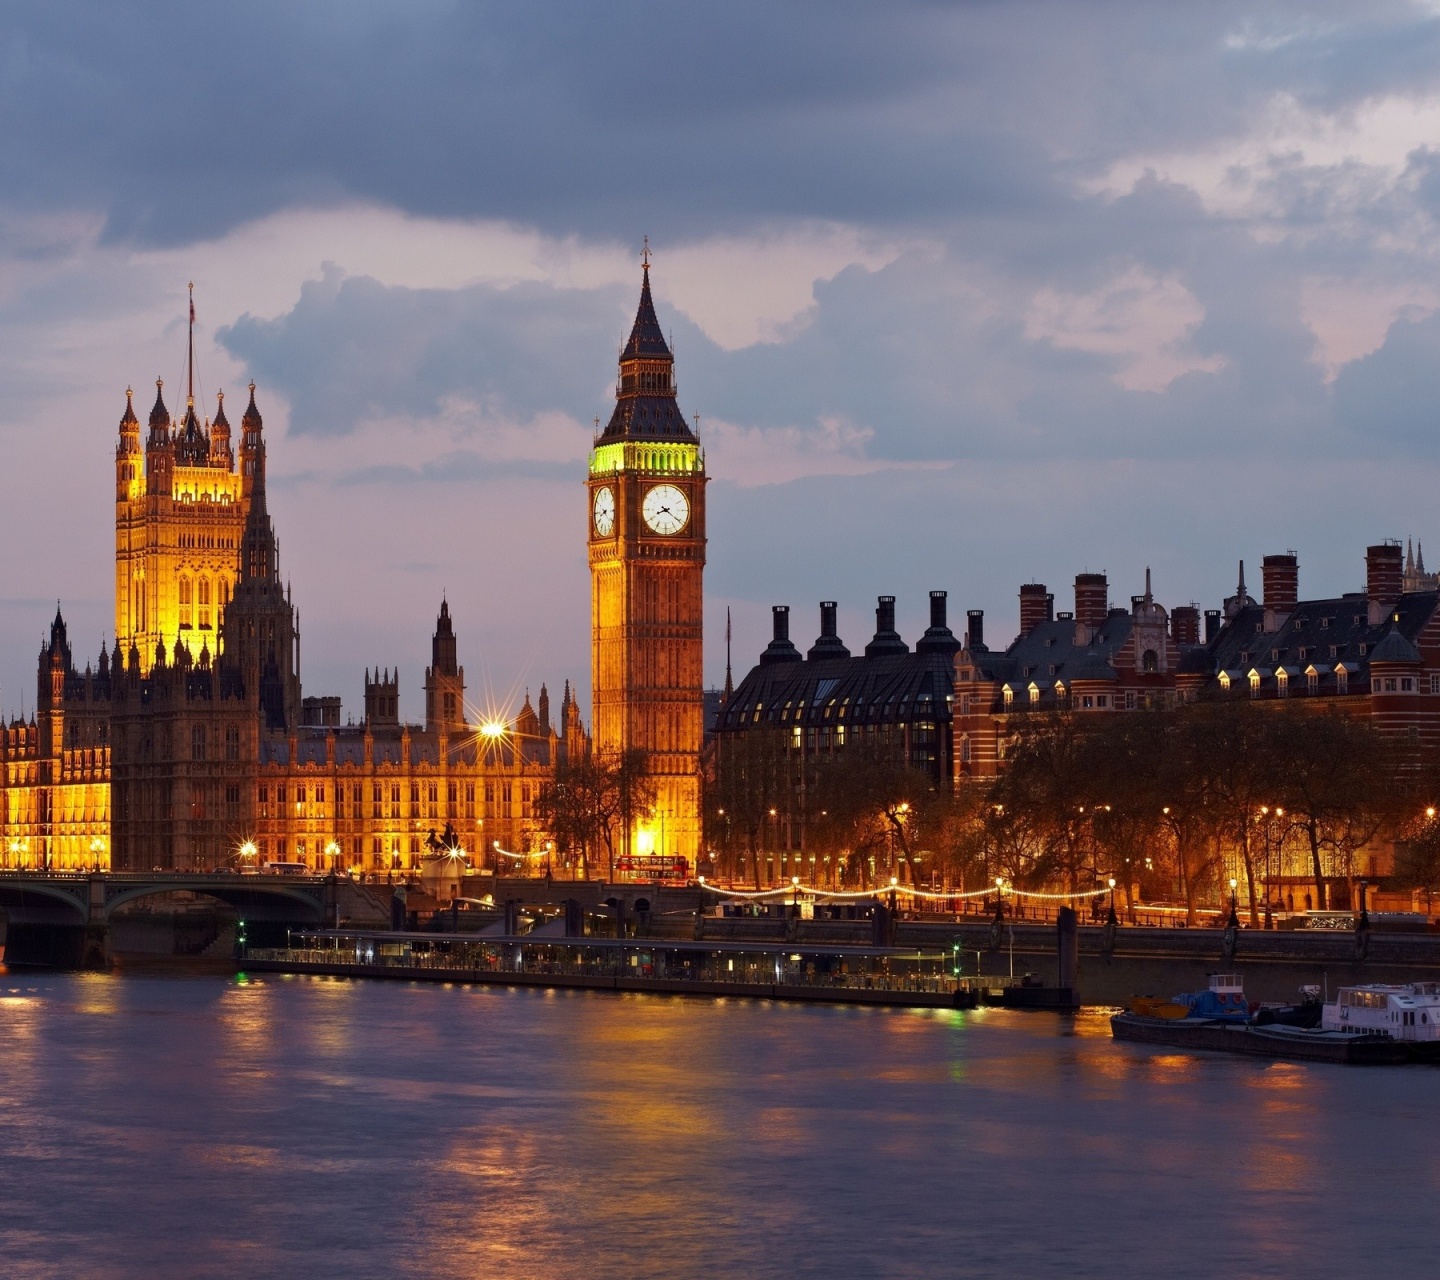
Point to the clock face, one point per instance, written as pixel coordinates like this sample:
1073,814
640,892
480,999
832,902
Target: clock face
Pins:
665,509
604,511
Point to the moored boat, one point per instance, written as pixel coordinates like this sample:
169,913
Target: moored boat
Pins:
1223,1000
1273,1041
1408,1013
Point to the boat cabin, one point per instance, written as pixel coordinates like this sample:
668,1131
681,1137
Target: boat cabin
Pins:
1410,1012
1225,998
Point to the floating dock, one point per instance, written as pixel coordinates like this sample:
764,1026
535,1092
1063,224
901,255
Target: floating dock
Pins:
824,972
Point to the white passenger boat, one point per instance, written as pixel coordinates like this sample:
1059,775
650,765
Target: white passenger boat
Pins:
1410,1012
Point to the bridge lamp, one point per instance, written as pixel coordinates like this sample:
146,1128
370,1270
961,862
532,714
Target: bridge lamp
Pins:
492,729
332,851
248,851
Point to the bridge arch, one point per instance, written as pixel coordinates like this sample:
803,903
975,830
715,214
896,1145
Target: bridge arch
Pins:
254,897
22,899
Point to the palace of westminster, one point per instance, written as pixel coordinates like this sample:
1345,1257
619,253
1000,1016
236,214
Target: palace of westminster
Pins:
189,746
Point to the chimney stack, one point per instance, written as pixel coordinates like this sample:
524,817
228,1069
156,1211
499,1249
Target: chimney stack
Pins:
780,649
829,644
1185,624
887,639
975,635
939,638
1035,605
1092,599
1212,624
1281,577
1384,579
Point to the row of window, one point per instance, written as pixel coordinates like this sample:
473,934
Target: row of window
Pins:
195,601
385,799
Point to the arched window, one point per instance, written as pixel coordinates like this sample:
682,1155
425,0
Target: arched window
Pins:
202,591
185,602
1150,661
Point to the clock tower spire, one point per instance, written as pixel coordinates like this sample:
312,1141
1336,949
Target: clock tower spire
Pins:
647,561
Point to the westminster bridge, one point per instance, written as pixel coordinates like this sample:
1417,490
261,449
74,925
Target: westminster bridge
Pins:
82,905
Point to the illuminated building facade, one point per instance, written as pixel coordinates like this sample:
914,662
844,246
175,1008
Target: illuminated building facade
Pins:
180,514
647,561
189,745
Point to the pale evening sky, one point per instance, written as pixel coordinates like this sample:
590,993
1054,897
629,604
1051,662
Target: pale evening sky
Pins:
966,295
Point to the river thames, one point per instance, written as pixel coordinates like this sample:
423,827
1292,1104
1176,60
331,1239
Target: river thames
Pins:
211,1126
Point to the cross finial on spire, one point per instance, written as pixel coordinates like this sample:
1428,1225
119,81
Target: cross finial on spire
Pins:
645,254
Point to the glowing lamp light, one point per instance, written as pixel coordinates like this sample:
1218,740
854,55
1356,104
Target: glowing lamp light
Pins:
1112,882
1430,811
248,849
492,729
645,841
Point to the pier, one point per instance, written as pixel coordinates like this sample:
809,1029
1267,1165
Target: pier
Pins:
825,972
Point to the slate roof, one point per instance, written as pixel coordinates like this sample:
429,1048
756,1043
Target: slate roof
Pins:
831,691
647,340
1320,633
1048,652
892,687
647,416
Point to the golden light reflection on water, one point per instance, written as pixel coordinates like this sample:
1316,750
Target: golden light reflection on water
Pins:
483,1132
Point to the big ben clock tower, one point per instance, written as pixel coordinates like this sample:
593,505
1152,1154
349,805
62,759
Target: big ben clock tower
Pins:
647,562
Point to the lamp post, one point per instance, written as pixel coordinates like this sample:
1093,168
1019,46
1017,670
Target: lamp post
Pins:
1234,921
1110,919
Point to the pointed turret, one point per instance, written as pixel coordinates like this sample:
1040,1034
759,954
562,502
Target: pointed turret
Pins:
645,407
444,679
1241,599
127,449
221,454
192,447
252,450
159,418
527,723
159,457
544,708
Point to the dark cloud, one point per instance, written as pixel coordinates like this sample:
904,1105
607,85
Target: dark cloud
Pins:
176,120
353,350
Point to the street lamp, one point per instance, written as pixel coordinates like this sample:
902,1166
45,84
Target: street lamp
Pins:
1234,921
1111,918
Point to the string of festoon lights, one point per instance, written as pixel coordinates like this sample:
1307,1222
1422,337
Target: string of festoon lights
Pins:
1000,886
